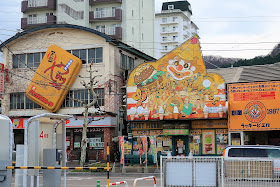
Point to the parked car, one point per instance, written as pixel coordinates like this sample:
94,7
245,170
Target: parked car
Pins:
252,161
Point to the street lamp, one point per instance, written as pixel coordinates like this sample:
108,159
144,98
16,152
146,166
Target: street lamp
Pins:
121,119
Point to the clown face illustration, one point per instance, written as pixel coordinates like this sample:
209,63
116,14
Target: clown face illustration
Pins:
180,69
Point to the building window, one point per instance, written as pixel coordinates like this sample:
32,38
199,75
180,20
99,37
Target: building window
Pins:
89,55
174,19
30,60
133,30
29,104
170,7
164,29
49,14
83,95
164,38
82,54
175,38
142,36
164,20
20,101
165,48
127,62
132,13
174,28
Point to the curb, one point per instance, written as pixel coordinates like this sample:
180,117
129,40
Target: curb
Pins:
111,174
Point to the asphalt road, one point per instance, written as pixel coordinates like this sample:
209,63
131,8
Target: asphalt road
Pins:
86,180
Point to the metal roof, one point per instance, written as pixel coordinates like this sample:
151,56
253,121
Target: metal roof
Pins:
258,73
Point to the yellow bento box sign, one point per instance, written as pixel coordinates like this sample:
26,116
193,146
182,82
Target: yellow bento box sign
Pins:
53,78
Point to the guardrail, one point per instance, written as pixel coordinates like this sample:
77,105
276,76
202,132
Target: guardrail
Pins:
50,167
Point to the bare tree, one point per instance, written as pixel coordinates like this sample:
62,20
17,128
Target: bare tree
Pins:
90,85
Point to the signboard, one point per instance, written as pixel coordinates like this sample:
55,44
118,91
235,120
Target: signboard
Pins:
2,82
175,86
254,106
146,125
208,139
147,133
121,141
206,124
153,148
175,132
53,78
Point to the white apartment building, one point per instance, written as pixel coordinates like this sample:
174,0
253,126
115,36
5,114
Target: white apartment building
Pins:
131,21
174,26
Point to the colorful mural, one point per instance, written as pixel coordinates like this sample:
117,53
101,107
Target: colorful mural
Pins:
175,87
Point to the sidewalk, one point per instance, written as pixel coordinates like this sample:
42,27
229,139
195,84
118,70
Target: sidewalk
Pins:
131,169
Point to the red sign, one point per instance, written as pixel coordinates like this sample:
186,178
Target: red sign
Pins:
2,77
18,123
140,151
1,68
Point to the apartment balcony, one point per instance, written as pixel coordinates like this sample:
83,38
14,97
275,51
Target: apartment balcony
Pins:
186,25
93,2
171,31
115,32
166,41
165,50
27,23
106,15
37,4
186,33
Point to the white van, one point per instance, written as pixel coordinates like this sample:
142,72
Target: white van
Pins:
252,161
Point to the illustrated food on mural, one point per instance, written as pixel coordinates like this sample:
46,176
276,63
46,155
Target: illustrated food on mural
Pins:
175,84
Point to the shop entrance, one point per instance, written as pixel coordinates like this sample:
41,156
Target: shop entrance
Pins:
262,138
179,145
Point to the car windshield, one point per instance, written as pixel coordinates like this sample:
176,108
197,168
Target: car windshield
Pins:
254,152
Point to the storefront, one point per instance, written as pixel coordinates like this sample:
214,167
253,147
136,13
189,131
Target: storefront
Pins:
171,136
208,137
99,133
133,148
254,113
176,132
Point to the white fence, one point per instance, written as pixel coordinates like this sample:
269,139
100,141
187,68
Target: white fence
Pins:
215,171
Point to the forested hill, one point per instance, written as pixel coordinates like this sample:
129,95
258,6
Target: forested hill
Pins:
212,62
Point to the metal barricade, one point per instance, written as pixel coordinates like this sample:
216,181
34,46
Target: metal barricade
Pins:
220,172
145,178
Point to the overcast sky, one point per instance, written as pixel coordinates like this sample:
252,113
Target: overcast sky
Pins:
247,28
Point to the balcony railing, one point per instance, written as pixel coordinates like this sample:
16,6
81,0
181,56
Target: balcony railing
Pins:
106,15
38,4
92,2
115,32
36,21
169,41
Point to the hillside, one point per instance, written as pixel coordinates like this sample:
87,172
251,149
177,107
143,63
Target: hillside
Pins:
212,62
